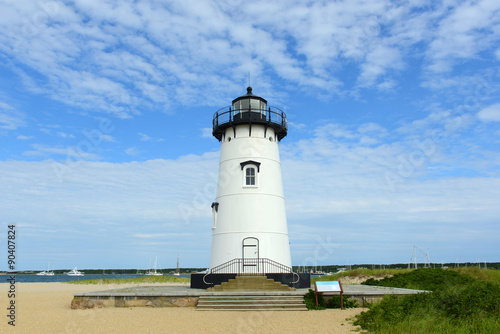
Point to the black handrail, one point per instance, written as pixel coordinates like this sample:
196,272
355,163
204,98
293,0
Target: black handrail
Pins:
245,266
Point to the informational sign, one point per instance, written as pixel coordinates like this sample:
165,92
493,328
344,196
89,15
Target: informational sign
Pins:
329,286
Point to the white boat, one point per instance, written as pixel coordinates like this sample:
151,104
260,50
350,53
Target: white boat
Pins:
46,273
74,272
154,272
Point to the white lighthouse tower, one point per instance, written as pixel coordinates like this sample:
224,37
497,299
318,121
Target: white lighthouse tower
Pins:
250,233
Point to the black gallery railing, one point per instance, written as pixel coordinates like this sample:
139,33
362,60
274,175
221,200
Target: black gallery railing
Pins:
271,114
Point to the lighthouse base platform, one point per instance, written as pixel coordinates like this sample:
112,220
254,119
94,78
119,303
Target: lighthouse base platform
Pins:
212,280
183,296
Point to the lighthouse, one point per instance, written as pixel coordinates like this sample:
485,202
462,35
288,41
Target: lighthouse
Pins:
249,217
249,226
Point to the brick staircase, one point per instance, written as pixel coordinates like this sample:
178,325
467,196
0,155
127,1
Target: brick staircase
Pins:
251,293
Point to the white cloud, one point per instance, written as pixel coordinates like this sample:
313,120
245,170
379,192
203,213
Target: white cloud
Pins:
108,138
334,185
132,151
151,198
379,60
131,58
114,60
490,113
10,119
467,30
23,137
144,137
371,128
110,58
64,135
206,133
82,151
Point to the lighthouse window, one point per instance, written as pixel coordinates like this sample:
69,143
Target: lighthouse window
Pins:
250,176
250,173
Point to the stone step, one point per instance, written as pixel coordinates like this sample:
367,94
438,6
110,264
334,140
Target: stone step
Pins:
240,301
248,288
251,303
266,307
252,309
252,297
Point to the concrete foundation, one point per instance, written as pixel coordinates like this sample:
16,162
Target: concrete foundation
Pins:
182,296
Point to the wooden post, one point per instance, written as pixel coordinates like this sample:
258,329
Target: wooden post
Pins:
316,293
341,296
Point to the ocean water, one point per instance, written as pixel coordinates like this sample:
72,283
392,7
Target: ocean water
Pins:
66,278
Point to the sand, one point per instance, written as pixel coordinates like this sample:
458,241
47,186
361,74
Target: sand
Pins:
45,308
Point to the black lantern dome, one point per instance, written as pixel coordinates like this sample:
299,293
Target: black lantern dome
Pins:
249,109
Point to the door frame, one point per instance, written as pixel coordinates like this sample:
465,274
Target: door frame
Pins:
252,264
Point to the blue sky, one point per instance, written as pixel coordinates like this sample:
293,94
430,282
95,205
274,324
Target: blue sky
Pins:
106,153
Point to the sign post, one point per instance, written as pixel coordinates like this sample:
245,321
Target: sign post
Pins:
329,286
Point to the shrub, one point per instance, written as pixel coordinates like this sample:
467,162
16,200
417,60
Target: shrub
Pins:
333,302
429,279
459,304
465,301
310,301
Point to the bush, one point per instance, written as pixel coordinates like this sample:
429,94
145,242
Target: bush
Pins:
429,279
310,301
333,302
476,298
459,304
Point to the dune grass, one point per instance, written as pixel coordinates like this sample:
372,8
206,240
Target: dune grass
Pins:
361,272
459,303
137,280
489,275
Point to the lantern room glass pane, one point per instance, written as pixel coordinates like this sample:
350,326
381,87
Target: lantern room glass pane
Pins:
255,104
245,104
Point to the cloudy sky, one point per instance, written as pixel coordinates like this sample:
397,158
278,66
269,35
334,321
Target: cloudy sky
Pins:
106,153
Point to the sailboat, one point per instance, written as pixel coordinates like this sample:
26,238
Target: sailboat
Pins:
46,273
177,272
153,272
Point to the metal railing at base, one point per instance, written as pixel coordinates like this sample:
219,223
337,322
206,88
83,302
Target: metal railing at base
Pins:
251,267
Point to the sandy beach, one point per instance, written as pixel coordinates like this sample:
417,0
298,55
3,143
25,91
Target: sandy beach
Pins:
45,308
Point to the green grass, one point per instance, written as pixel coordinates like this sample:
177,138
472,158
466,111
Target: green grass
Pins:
360,272
459,303
423,279
137,280
489,275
